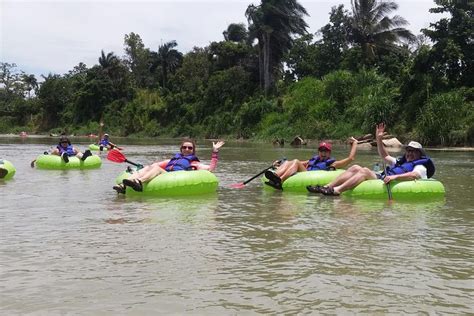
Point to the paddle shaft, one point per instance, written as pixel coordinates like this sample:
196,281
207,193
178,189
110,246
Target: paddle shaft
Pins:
133,163
257,175
389,189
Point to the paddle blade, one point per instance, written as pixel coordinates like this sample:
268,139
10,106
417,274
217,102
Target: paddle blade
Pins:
116,156
240,185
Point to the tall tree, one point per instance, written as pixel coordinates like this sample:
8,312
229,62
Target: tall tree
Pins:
30,83
11,81
169,59
137,58
236,32
54,95
274,23
108,61
373,30
452,55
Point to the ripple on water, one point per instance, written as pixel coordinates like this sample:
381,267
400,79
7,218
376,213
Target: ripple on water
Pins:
68,244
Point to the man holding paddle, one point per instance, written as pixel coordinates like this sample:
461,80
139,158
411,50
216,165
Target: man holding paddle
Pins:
413,165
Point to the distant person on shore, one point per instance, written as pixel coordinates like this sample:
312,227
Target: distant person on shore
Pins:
414,164
185,160
321,161
65,149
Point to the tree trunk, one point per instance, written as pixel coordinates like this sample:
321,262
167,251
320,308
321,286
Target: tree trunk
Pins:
266,64
261,47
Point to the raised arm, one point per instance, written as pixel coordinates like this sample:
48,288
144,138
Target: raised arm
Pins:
101,125
215,154
379,134
344,162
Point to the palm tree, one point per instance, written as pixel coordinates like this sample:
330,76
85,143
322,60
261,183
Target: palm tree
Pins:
273,23
373,30
30,83
107,61
169,59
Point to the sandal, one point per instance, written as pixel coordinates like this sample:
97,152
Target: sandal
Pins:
86,154
272,176
329,191
3,173
315,188
65,157
120,188
134,184
274,185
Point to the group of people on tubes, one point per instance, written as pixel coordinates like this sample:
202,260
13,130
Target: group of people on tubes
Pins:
414,164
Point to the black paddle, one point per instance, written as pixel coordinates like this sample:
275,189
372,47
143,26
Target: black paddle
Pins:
389,189
241,185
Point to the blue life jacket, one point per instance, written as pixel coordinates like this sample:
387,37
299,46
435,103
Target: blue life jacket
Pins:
69,150
181,162
404,166
316,163
104,142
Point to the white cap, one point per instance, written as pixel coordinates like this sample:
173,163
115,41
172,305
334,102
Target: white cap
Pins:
416,145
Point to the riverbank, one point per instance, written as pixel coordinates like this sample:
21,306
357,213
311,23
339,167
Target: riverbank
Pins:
309,142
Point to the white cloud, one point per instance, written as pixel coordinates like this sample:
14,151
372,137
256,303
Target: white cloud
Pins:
54,36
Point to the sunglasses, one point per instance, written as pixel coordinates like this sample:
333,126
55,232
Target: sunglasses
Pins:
65,142
187,147
410,150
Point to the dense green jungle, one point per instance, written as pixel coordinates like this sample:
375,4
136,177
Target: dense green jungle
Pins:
269,78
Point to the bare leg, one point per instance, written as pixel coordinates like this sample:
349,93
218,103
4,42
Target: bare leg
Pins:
349,173
289,168
362,175
147,173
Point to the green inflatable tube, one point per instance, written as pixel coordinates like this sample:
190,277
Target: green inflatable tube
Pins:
53,162
299,181
176,183
417,189
8,166
95,147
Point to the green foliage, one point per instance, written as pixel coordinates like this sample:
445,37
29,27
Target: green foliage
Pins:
55,94
452,55
142,113
250,115
331,88
227,90
339,86
374,31
236,32
446,119
217,125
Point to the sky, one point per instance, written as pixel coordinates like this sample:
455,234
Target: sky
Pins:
53,36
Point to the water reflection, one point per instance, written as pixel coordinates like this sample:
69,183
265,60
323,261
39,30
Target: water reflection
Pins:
69,243
160,210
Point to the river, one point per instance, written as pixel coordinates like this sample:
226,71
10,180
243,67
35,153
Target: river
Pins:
70,245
